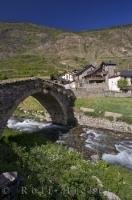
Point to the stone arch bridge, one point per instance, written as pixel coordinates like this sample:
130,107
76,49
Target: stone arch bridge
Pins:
55,98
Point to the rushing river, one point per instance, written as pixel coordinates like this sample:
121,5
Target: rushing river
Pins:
114,148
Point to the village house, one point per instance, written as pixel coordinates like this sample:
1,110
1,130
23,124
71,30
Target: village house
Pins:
101,73
113,81
80,74
88,75
91,74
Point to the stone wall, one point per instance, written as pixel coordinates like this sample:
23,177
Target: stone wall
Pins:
91,90
98,90
117,94
102,123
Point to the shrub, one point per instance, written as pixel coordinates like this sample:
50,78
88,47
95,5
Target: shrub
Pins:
51,171
61,174
122,83
3,76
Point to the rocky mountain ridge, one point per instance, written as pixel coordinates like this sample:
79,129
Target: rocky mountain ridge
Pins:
30,47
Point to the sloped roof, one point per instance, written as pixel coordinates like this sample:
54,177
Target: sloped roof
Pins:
126,73
84,69
96,69
110,63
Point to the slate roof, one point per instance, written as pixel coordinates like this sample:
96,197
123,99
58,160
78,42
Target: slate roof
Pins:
84,69
110,63
126,73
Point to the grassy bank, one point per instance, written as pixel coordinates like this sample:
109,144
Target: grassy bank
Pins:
45,164
110,104
100,105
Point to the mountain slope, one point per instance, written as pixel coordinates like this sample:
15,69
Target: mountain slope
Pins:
30,50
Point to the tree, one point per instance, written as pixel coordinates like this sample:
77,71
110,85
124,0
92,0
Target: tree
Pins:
122,83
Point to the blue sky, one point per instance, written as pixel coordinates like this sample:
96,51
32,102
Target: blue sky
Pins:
72,15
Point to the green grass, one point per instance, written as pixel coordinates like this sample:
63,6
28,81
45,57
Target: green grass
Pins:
99,104
31,104
27,66
30,108
110,104
45,164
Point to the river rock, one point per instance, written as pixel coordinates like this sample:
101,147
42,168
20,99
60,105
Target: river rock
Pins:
103,123
61,142
95,157
110,195
113,114
86,109
9,184
71,149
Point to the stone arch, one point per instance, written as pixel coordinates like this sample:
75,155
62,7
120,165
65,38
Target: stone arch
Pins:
49,102
57,100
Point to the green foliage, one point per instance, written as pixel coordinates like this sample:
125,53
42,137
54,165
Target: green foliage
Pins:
54,75
61,171
54,172
3,76
122,83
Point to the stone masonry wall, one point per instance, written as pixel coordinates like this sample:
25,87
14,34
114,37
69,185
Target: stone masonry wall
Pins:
102,123
93,89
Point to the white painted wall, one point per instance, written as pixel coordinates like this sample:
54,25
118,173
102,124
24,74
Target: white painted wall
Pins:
113,84
68,77
129,81
70,86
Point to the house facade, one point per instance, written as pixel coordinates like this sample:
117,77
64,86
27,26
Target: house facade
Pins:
89,74
80,74
99,74
113,81
68,77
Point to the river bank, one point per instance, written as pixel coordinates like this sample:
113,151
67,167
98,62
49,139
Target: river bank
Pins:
82,118
57,167
95,116
92,143
102,123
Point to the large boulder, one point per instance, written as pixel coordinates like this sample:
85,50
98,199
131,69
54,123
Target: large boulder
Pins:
9,184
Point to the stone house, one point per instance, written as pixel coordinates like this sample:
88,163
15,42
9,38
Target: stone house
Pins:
80,74
113,81
98,74
89,74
